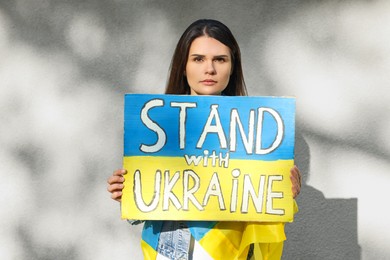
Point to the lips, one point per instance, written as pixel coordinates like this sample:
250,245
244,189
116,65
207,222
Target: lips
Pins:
208,82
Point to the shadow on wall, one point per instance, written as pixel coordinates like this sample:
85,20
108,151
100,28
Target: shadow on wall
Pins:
323,228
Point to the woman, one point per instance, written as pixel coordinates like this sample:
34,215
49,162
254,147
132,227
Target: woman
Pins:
207,61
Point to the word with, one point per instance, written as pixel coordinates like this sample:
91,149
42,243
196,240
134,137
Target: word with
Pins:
222,161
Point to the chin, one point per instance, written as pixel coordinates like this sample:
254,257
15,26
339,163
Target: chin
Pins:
208,93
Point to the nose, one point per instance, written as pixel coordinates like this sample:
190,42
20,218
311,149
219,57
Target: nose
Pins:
210,68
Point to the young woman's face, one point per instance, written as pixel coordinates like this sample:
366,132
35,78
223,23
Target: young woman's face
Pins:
209,66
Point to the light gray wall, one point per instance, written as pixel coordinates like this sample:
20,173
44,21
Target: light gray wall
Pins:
65,66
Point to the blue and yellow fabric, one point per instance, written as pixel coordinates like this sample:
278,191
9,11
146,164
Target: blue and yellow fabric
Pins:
225,240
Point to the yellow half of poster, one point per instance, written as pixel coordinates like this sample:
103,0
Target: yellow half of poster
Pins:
168,188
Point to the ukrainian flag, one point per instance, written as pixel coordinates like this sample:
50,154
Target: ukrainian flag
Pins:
223,240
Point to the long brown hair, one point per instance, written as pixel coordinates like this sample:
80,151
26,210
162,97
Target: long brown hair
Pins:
177,81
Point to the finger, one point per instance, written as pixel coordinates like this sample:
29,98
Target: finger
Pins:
115,187
295,189
117,196
295,193
119,172
299,176
295,177
296,174
294,181
115,179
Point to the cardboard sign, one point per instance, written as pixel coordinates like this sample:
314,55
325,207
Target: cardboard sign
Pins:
208,158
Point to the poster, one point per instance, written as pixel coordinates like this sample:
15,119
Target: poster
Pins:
208,158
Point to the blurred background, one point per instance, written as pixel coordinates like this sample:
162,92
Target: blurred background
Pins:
65,66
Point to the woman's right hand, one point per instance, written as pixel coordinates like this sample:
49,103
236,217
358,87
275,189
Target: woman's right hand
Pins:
115,184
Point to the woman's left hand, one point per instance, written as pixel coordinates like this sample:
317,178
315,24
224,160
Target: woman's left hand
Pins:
296,180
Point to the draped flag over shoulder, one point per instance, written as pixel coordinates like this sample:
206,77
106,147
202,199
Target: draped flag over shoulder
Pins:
223,240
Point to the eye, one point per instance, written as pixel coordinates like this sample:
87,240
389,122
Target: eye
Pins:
220,59
198,59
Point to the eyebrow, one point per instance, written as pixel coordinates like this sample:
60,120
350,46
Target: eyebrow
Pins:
216,56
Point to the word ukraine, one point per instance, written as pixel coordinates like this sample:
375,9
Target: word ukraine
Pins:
208,158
